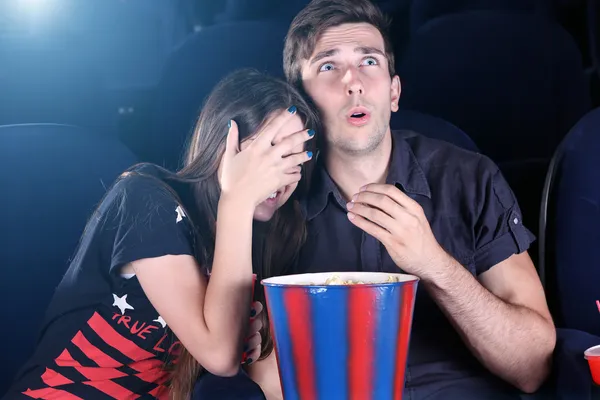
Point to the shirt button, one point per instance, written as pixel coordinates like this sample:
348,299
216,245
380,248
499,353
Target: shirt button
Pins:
516,221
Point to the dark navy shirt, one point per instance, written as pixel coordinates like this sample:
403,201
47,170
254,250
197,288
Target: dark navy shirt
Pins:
475,217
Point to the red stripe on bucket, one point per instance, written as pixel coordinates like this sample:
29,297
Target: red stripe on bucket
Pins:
297,302
361,331
408,294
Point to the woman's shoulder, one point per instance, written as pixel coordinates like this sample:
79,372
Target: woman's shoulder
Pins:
142,188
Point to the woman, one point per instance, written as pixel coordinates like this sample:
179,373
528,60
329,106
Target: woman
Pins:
136,314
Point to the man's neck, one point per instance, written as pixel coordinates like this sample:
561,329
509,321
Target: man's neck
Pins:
351,172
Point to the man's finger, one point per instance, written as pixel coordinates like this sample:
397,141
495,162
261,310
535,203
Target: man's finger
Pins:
369,227
380,201
375,215
394,193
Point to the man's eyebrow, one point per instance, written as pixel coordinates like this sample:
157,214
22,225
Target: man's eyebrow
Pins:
362,50
323,54
369,50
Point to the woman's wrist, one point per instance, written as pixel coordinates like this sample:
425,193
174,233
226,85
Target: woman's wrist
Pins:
235,205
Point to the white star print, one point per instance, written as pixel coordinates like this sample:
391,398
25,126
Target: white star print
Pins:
161,321
121,302
180,214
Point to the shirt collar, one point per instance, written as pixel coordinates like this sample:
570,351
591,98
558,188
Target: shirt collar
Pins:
405,171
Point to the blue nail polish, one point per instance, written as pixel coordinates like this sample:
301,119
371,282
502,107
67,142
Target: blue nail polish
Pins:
292,109
249,361
252,312
309,154
229,124
311,133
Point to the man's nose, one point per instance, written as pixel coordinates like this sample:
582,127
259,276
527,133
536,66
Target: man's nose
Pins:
353,83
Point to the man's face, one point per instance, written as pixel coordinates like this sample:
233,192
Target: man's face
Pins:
348,78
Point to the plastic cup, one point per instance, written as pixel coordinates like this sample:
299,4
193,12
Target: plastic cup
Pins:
592,355
341,341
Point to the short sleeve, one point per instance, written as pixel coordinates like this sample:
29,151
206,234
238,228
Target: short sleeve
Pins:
148,222
499,230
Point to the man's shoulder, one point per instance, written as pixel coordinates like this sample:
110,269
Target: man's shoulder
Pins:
426,148
442,157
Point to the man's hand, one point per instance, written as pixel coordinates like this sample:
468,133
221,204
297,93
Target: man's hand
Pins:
398,222
505,321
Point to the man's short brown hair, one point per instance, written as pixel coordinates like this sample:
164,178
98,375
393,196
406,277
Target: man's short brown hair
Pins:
321,15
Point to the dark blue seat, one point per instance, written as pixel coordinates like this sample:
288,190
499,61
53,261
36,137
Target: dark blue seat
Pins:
570,223
47,81
52,177
514,83
432,127
194,69
423,11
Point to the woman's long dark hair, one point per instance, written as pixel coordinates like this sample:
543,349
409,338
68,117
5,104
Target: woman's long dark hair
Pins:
249,98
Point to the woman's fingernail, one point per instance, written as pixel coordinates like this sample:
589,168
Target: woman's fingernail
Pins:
252,312
309,154
349,205
311,133
249,361
292,109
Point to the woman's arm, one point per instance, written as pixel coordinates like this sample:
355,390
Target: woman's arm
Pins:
266,375
209,320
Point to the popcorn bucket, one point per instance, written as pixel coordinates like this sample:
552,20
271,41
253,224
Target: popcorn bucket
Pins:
341,335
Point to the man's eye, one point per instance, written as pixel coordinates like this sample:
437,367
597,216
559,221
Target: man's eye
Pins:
370,61
326,67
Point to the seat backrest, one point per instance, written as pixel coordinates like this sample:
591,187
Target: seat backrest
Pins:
432,127
49,82
52,177
129,41
423,11
570,220
514,83
194,69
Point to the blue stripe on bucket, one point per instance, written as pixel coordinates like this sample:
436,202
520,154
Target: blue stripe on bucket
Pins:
330,337
281,331
388,317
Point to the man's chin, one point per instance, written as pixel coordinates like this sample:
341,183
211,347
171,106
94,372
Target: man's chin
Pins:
352,142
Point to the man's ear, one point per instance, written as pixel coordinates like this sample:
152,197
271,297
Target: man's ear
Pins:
395,90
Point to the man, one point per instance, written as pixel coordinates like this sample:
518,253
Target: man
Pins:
397,201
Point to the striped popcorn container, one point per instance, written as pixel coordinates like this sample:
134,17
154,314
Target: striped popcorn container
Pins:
341,335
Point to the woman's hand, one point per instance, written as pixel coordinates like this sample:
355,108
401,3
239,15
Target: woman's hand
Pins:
253,344
264,166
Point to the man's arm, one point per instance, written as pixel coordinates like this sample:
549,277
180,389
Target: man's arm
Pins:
504,319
